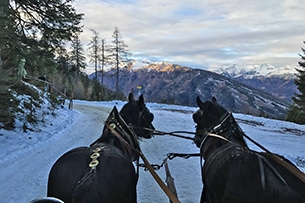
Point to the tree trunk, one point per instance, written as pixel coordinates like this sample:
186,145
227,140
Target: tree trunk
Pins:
117,72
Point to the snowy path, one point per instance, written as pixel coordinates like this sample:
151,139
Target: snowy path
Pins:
26,175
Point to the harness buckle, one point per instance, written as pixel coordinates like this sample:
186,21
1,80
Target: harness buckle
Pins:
93,164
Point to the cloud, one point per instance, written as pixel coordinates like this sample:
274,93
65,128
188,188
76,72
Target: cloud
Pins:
200,32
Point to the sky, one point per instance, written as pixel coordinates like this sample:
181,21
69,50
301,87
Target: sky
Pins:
201,33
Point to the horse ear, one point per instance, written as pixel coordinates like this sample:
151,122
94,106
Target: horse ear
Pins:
214,100
113,114
141,100
130,97
199,102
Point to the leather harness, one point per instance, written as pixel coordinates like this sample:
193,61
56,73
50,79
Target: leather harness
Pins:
219,128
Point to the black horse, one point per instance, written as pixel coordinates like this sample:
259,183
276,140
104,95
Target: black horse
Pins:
104,172
232,173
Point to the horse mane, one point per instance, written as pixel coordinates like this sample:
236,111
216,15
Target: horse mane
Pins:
229,126
238,135
124,130
213,118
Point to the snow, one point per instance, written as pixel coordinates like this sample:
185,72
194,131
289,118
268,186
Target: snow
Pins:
139,64
26,158
253,70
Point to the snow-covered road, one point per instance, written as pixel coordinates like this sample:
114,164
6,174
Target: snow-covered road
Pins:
26,173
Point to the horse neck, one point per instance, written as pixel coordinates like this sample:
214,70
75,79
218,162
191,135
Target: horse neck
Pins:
212,145
130,113
128,149
129,134
230,131
121,137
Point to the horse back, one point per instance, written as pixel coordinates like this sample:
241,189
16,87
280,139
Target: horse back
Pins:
284,172
241,175
112,178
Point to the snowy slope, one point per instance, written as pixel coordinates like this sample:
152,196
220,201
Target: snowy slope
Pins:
250,71
25,159
230,70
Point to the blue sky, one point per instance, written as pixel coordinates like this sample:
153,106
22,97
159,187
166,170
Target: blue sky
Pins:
201,33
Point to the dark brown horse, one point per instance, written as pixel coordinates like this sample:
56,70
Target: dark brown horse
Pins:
104,172
232,173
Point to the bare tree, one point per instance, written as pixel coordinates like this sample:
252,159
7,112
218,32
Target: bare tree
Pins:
118,55
94,50
103,60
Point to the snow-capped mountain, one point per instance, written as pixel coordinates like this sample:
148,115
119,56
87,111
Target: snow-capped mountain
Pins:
278,81
157,66
250,71
169,83
137,64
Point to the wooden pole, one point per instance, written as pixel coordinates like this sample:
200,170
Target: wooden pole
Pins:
170,180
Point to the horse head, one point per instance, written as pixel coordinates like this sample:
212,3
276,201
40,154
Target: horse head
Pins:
136,114
213,118
123,128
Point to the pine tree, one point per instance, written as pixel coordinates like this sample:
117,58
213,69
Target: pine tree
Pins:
77,56
34,30
53,20
77,62
6,99
94,50
4,4
3,26
118,55
296,112
38,29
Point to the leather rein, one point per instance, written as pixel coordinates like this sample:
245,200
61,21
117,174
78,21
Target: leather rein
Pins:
167,191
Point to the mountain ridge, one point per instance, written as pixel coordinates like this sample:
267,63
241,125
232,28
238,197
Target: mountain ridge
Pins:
230,70
255,70
278,81
175,84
